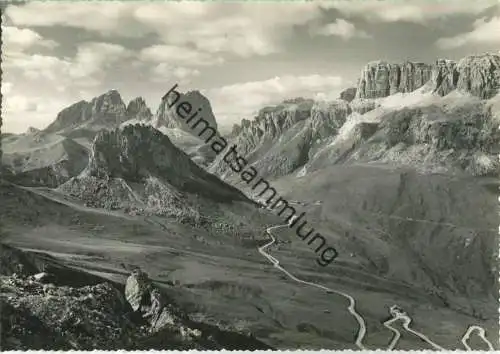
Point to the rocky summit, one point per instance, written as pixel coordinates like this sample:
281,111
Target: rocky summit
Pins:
105,110
51,156
138,169
439,116
168,117
138,109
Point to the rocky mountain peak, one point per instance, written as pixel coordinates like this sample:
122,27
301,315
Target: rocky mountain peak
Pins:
140,153
134,153
71,116
107,110
169,118
138,109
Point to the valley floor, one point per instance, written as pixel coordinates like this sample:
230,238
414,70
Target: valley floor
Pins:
233,286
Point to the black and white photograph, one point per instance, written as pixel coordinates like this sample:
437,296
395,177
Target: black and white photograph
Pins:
250,175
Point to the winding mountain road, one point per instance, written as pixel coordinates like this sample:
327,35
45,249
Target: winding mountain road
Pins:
397,315
481,334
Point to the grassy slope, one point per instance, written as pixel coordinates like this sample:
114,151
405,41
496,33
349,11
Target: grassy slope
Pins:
222,279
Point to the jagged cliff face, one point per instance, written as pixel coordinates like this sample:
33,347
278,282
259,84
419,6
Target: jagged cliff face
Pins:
71,116
135,153
444,77
139,170
381,79
105,110
108,109
168,117
138,152
272,121
138,109
433,137
52,156
314,135
281,138
478,75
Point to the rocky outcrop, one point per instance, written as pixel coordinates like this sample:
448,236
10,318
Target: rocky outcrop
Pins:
137,153
33,131
107,110
327,118
348,94
271,121
444,76
363,105
138,109
73,310
148,301
280,138
164,319
381,79
168,117
436,138
137,288
413,76
300,129
479,75
137,169
71,116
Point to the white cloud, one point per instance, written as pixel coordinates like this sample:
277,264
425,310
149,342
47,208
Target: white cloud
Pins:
19,103
231,103
341,28
19,109
87,68
6,87
178,55
410,10
19,39
92,58
36,66
240,29
164,72
45,84
106,18
484,32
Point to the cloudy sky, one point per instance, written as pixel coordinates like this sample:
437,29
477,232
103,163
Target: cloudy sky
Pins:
240,55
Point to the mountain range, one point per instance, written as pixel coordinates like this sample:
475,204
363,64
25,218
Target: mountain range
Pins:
400,174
